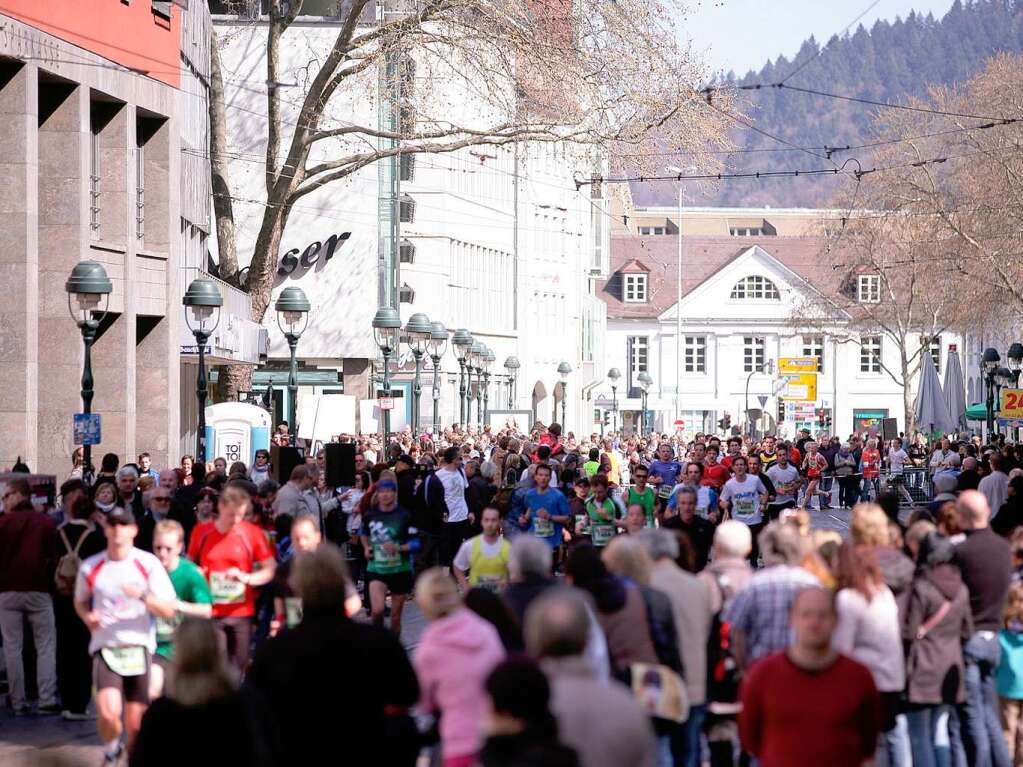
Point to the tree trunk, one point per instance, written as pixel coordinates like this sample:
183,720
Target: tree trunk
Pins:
909,406
264,258
223,208
231,381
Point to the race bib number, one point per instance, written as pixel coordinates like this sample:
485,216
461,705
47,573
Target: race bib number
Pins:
292,611
543,528
744,507
384,559
602,534
490,583
125,661
226,591
165,629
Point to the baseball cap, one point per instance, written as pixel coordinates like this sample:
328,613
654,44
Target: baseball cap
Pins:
119,516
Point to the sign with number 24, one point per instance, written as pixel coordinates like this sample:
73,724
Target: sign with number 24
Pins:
1012,403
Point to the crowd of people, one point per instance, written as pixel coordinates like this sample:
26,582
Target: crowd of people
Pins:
595,601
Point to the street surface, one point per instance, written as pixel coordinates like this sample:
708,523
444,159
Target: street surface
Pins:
24,741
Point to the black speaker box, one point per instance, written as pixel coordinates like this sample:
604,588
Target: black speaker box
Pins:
890,428
283,460
340,458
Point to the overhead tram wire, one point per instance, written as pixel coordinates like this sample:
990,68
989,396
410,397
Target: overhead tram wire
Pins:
824,47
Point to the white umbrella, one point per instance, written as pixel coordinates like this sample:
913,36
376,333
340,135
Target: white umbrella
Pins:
955,389
932,415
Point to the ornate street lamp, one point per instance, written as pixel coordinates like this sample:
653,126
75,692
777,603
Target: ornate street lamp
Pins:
202,303
90,287
564,369
613,375
438,345
386,330
462,341
991,362
418,333
475,365
645,384
488,360
512,365
292,318
1015,355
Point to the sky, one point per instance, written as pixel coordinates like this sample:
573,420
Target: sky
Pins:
743,34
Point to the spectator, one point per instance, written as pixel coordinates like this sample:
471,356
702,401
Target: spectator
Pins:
1010,673
489,606
556,630
1010,516
529,572
690,605
28,553
456,653
202,701
985,561
519,726
995,486
759,613
699,529
790,712
969,477
868,631
869,527
299,673
936,622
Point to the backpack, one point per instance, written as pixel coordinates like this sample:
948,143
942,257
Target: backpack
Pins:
722,666
422,516
502,500
67,566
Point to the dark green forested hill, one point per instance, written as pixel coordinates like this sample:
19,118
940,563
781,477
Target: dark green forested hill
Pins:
889,62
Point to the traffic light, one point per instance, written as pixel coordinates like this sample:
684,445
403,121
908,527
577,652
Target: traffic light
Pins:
725,422
781,411
607,417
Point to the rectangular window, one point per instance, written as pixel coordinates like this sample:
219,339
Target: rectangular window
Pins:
639,350
813,346
653,230
868,289
94,178
935,350
695,354
870,354
140,188
634,288
745,231
754,353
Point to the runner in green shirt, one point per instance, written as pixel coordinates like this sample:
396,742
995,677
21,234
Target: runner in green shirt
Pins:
602,513
641,494
191,589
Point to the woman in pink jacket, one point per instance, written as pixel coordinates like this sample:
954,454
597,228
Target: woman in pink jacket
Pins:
457,652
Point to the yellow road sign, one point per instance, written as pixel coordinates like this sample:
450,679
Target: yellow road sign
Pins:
797,365
800,387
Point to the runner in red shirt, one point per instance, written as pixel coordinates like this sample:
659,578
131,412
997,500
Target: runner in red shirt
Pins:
714,474
814,465
234,555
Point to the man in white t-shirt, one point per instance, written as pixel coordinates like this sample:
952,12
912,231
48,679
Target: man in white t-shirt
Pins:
897,460
484,557
119,594
457,522
786,480
745,497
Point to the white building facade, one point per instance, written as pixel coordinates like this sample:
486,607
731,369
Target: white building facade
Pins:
741,294
501,243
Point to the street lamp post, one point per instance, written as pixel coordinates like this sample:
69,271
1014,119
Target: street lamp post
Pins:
438,345
202,301
462,341
564,369
474,363
645,382
292,310
488,360
90,286
767,367
386,330
512,365
990,362
613,375
1015,355
418,334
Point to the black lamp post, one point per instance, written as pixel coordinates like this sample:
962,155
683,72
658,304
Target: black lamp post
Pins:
202,303
386,328
645,382
487,362
90,286
512,365
462,341
1015,355
292,318
990,364
564,369
418,333
438,345
474,363
613,375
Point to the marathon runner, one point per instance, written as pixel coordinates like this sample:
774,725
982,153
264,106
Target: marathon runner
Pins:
485,557
546,508
118,594
602,513
388,539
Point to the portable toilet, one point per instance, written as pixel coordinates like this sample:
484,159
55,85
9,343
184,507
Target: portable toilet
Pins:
235,431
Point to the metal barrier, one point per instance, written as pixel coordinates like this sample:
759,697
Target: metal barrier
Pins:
915,480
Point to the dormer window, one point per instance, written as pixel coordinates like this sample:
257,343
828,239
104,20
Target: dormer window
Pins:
868,289
756,287
746,231
634,288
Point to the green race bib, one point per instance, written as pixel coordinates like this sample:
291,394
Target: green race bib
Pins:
125,661
602,534
743,507
292,611
384,559
543,528
226,591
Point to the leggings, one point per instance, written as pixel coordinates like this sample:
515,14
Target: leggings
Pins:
236,634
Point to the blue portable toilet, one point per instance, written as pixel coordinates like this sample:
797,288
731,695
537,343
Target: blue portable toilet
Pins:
235,431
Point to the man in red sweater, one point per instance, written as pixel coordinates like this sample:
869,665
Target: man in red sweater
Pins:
809,705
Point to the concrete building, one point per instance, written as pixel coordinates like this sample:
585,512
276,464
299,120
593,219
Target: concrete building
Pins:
91,104
500,242
746,276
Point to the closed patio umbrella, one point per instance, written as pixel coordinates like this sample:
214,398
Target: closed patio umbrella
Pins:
932,415
955,389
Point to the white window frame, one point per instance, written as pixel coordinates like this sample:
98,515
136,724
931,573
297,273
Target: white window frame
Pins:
754,353
746,231
871,349
635,288
755,287
868,289
694,355
813,346
653,230
935,350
